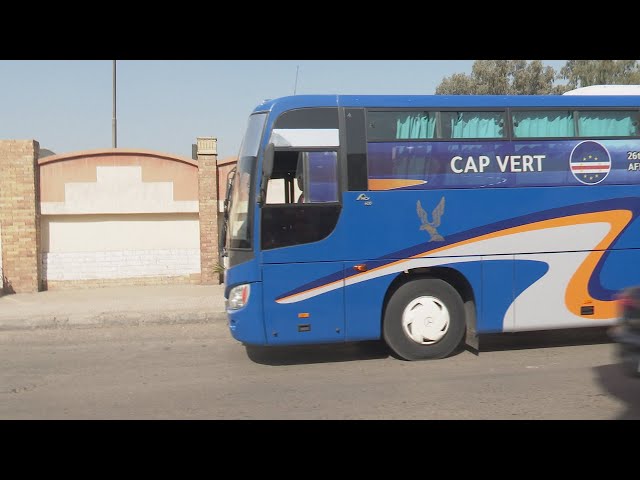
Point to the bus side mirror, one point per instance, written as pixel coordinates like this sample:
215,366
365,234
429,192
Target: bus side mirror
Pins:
267,169
222,241
227,197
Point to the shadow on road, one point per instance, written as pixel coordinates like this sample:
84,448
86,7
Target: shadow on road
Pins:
543,339
356,351
619,384
307,354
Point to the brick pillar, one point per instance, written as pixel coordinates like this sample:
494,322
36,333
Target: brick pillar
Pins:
20,215
208,198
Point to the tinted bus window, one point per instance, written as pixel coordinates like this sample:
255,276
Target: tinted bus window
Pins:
401,125
599,123
472,124
543,123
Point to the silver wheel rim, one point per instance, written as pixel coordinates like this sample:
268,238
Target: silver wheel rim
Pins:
425,320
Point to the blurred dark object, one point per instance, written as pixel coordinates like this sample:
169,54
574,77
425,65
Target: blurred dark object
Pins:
626,333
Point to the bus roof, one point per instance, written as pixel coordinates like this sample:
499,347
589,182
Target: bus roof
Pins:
444,101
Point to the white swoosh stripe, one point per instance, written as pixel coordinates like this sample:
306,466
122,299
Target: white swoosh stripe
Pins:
571,237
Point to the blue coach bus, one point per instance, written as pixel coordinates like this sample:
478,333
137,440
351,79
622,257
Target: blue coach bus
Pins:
428,220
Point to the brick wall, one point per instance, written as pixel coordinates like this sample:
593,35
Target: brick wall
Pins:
26,263
1,275
208,199
20,215
58,266
118,215
193,279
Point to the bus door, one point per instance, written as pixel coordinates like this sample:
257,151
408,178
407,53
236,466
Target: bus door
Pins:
302,275
298,311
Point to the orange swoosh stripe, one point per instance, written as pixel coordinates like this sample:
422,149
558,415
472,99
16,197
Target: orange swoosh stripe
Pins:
577,293
392,183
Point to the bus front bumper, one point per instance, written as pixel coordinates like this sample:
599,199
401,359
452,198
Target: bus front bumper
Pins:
246,324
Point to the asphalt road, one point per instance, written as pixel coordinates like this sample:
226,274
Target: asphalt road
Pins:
200,372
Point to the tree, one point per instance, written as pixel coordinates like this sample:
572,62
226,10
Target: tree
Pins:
456,84
583,73
503,77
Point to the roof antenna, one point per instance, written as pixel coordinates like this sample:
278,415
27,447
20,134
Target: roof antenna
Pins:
295,87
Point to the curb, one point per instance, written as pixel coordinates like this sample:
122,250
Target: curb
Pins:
109,319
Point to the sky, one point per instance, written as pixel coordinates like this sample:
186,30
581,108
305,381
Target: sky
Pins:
164,105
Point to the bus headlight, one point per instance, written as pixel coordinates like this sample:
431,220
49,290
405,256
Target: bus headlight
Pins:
238,296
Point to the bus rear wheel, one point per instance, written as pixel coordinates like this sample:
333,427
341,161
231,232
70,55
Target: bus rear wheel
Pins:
424,319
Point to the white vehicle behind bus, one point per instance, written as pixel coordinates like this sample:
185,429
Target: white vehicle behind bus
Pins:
606,90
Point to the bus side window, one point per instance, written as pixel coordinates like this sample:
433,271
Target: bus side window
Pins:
469,124
319,177
612,123
282,188
303,177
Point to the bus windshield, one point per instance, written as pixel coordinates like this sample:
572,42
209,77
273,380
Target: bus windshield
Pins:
241,211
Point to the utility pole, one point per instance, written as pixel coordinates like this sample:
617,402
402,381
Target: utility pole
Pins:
114,122
295,87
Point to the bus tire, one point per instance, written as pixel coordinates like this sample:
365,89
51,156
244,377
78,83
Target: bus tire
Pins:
424,319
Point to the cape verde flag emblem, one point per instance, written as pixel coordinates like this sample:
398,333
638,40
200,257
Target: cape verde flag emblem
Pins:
590,162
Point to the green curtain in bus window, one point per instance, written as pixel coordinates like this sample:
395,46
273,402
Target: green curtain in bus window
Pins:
476,125
607,124
415,126
543,124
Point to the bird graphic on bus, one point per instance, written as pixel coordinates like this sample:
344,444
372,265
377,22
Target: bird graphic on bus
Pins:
431,227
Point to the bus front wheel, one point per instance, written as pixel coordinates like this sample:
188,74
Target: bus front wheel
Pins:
424,319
